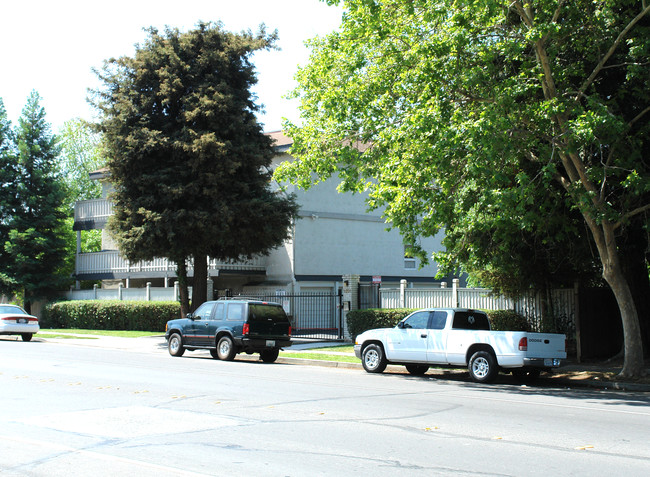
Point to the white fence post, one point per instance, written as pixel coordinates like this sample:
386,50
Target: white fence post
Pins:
95,291
454,292
148,292
176,292
119,291
402,293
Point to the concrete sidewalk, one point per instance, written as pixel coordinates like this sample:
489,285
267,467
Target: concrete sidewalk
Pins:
593,375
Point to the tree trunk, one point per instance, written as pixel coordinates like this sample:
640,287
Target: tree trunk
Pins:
200,286
181,272
633,365
634,260
604,235
602,232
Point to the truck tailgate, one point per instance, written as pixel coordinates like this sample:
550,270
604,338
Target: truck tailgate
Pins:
546,345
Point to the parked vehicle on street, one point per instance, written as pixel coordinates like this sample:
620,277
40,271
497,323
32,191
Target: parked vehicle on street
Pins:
227,327
16,321
459,337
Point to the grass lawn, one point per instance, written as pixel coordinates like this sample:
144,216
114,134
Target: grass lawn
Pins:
337,349
320,356
72,332
344,353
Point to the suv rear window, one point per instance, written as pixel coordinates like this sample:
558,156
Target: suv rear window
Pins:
262,312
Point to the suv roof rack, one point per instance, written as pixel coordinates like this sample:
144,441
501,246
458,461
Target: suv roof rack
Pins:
244,298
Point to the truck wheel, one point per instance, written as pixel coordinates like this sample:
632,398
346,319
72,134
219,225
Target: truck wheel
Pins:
269,355
214,353
524,375
27,336
373,358
226,349
417,369
175,345
483,367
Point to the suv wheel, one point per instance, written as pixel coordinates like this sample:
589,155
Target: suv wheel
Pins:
226,349
175,345
269,355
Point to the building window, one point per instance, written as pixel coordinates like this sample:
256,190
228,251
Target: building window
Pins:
409,258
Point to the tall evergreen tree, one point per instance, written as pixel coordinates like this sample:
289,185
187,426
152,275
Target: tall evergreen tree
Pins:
188,159
34,246
8,177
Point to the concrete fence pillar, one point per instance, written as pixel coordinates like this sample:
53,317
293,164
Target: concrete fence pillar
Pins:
210,288
350,298
95,291
148,292
177,295
454,292
120,286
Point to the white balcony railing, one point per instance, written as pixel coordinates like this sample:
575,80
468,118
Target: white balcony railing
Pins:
111,262
92,209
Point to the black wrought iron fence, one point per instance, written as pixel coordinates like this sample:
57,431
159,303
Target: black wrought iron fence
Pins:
313,314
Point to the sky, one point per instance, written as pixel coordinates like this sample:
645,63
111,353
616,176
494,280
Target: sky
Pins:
52,46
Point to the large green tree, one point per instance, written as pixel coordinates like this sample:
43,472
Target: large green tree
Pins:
34,247
188,159
81,154
8,179
473,109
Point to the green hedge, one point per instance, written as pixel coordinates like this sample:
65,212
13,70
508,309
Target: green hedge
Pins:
507,320
361,320
110,315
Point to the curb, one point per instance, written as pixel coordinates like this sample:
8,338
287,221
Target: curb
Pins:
556,381
146,344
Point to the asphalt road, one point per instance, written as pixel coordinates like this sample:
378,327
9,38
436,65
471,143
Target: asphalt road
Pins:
67,409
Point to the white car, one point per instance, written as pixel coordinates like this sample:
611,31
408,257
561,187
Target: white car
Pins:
16,321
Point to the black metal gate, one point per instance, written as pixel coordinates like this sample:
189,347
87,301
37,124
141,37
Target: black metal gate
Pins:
314,315
369,296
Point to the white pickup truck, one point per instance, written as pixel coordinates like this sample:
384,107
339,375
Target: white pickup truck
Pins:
458,337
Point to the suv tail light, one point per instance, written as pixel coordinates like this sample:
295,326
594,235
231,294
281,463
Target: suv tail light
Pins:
523,344
289,330
246,329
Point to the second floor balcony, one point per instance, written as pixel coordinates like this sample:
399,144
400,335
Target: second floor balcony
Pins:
92,214
109,264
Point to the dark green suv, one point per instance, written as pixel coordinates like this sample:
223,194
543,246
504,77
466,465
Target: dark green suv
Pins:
230,326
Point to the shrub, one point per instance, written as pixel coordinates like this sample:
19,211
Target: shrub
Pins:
361,320
507,320
110,315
